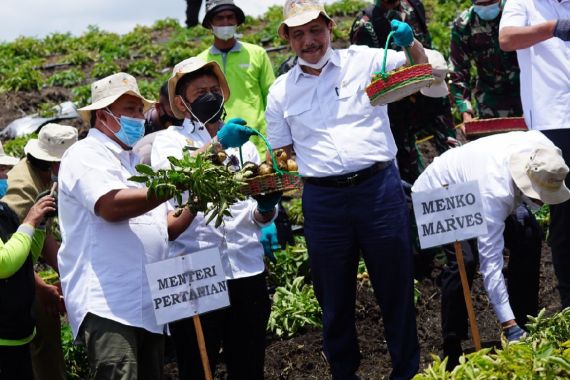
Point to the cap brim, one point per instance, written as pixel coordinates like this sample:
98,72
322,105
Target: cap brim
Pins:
85,112
8,160
32,147
173,81
523,182
438,89
301,19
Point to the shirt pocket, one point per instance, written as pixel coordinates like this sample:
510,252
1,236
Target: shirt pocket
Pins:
301,121
352,101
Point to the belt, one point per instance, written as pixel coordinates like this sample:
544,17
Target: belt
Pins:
350,179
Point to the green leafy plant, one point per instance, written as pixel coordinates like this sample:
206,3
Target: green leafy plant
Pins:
294,209
211,188
294,307
15,147
24,77
79,57
143,68
67,78
104,68
81,95
292,262
74,355
47,110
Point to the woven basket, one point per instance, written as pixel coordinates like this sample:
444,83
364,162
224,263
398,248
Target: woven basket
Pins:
486,127
271,183
399,84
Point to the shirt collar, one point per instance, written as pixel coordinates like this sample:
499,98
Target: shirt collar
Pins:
113,146
237,47
335,60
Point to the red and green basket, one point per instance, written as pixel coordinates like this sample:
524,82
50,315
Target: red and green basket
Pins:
281,180
485,127
388,87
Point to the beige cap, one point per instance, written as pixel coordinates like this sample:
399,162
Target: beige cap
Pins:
301,12
53,140
188,66
437,88
541,174
6,160
106,91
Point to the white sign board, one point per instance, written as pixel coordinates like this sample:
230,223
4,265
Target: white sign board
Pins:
449,214
188,285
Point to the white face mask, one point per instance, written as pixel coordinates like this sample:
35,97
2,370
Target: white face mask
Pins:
322,62
225,32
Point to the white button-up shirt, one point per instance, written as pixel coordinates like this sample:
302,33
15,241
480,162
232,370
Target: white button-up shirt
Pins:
238,237
545,67
102,264
487,161
328,118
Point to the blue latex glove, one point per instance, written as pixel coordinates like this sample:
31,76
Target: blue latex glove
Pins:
266,203
268,240
514,333
234,133
403,36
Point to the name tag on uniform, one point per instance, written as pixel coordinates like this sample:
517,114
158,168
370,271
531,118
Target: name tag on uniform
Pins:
244,65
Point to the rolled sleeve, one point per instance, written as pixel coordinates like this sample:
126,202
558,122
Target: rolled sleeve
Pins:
514,14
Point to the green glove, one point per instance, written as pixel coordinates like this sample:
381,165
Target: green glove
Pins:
403,33
234,133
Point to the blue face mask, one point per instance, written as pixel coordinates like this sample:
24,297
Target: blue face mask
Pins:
131,131
3,186
488,12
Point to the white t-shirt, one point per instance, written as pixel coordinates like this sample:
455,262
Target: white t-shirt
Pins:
328,118
545,67
486,160
238,237
102,264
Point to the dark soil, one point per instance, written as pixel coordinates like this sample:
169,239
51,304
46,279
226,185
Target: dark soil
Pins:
301,357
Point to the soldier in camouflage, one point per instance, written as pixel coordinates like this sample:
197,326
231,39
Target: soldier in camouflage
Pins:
416,114
475,39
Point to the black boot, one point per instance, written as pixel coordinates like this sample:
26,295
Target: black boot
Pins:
452,350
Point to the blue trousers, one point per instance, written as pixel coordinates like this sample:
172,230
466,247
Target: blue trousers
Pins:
341,224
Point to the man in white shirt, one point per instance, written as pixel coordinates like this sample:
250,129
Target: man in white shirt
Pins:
197,91
110,230
353,200
539,30
510,168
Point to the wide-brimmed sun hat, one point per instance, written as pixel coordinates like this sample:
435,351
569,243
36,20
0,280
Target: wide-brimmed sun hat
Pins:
540,174
438,87
6,160
52,142
301,12
189,66
215,6
106,91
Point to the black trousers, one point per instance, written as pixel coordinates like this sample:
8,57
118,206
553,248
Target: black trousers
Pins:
15,362
240,329
560,223
192,10
523,238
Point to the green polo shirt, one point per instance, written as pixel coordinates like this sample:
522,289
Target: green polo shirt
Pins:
249,74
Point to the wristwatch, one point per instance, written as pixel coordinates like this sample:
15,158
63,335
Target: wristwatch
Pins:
412,44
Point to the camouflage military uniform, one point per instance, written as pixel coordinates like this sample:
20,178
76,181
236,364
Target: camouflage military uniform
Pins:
416,114
496,90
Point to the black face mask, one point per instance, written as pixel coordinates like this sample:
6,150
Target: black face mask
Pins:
171,120
208,107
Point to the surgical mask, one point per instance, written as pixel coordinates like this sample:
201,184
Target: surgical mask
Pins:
488,12
225,32
534,207
131,131
322,62
207,108
3,186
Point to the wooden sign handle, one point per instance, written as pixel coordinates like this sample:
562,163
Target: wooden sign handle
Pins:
202,347
467,296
